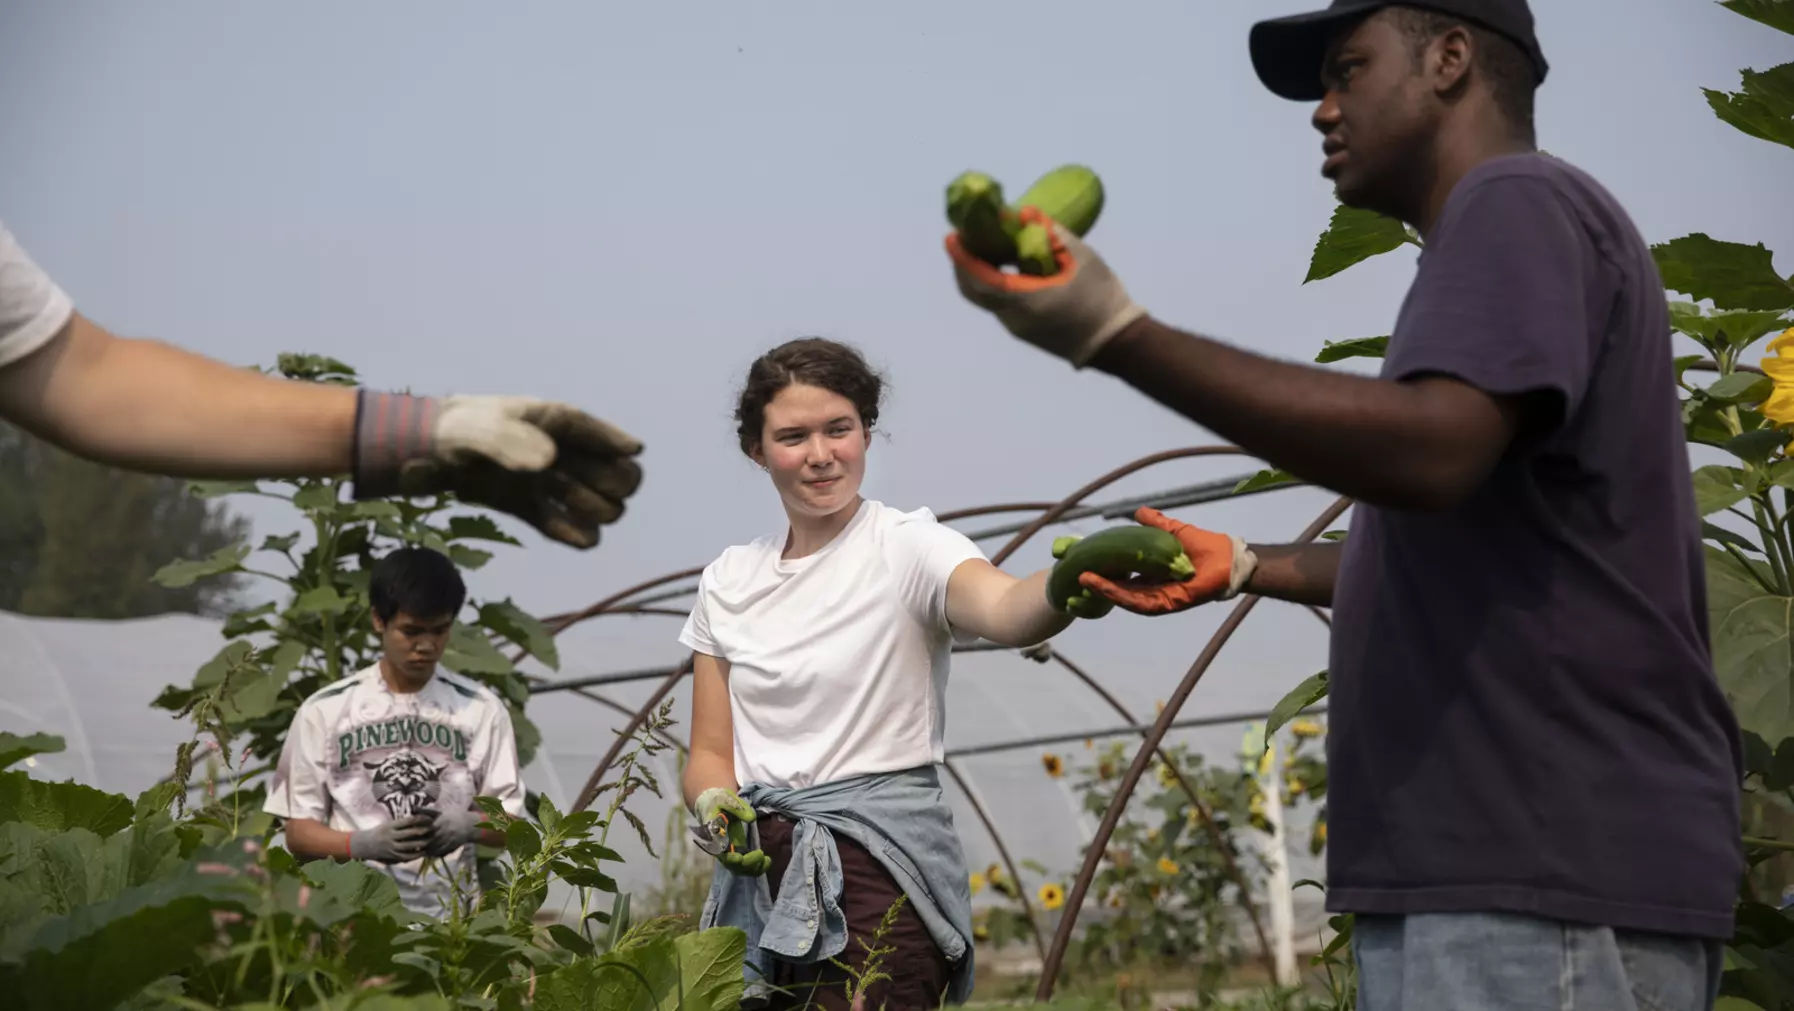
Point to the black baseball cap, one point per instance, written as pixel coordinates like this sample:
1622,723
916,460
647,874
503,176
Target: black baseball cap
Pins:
1287,52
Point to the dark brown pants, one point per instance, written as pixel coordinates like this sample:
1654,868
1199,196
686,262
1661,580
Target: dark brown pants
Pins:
919,971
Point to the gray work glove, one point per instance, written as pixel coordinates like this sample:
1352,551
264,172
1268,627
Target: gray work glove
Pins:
555,467
395,842
451,830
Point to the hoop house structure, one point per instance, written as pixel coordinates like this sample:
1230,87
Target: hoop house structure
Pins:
92,682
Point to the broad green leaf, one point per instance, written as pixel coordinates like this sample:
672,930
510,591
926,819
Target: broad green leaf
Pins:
1265,479
522,628
699,971
56,807
100,954
374,510
1764,108
1334,535
1716,488
1737,329
1357,347
283,543
1777,14
1756,446
14,748
1741,388
522,840
1352,237
468,558
1735,1004
316,496
479,528
184,573
233,661
218,489
58,872
1751,649
1724,536
356,886
710,968
1731,274
1304,695
247,621
320,600
470,651
569,939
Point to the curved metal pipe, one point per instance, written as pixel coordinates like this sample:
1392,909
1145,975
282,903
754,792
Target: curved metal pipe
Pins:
1049,970
1002,852
590,790
1196,804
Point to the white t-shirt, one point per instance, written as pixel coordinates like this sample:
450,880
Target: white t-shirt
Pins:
359,755
838,660
32,308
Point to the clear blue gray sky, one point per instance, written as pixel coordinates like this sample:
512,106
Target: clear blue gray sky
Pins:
621,205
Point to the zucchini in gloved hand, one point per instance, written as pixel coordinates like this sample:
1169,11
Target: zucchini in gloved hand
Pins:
991,230
1138,552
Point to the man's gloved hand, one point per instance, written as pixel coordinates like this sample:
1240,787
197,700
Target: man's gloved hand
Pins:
396,842
451,830
721,831
1072,313
1223,565
556,467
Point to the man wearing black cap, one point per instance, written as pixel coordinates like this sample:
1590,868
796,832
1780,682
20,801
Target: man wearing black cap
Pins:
1533,774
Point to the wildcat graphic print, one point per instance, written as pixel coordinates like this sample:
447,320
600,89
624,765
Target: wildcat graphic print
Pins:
406,783
360,755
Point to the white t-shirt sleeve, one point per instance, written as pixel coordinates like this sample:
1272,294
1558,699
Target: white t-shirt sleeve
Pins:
32,308
696,633
927,552
300,787
500,777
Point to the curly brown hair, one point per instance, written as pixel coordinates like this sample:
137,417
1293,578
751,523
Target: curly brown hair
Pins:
813,361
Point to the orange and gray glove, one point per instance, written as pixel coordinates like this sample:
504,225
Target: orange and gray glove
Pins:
1071,313
555,467
1223,565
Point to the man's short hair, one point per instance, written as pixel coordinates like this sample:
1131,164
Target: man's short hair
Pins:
418,581
1505,65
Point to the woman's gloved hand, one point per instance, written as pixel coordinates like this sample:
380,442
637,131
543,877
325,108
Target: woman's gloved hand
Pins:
722,831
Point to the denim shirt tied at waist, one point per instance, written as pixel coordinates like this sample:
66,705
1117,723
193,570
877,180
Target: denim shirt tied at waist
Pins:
902,819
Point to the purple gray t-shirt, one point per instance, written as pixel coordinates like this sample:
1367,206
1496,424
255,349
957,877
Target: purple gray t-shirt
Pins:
1525,715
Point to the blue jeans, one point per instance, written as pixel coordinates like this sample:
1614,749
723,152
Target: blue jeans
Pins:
1504,962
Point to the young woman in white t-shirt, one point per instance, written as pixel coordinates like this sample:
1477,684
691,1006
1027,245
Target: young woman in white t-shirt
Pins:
819,684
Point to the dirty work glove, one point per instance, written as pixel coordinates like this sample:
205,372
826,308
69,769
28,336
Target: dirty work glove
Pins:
721,831
451,830
555,467
395,842
1072,313
1223,565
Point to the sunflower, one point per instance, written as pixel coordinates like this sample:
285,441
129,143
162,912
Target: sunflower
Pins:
1167,775
1779,408
977,882
1054,767
1305,728
1051,897
1167,865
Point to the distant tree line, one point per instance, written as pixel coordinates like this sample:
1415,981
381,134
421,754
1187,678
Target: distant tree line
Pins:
81,540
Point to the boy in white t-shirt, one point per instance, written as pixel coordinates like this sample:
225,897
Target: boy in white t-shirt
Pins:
383,766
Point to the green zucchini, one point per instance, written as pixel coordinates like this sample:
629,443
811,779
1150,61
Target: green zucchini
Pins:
1140,552
992,230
